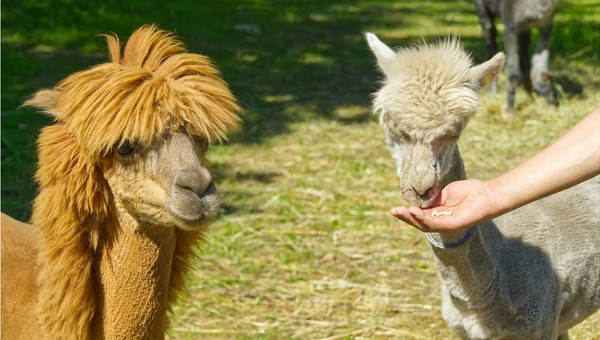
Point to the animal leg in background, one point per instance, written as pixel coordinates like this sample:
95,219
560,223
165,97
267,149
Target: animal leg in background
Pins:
519,18
524,38
540,77
489,32
513,67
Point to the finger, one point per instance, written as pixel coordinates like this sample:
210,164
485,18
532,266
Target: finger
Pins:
397,211
421,219
418,219
422,222
403,214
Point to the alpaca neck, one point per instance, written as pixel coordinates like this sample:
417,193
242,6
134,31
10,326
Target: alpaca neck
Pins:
456,173
468,269
133,267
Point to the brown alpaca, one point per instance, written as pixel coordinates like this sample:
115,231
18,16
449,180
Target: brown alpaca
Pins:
124,196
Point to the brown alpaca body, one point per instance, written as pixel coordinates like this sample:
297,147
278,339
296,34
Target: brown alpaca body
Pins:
132,272
125,194
19,284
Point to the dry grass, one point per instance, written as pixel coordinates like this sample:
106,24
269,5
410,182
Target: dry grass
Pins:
306,248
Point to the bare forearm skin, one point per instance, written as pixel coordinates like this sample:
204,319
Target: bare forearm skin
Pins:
573,158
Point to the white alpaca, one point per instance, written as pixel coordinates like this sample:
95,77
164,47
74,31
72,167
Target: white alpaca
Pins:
530,274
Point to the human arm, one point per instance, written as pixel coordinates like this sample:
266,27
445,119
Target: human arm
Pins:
573,158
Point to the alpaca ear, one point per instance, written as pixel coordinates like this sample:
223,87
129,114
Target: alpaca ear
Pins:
482,74
385,55
44,100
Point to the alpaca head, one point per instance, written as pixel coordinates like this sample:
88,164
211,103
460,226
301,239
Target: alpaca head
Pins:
165,183
428,95
134,132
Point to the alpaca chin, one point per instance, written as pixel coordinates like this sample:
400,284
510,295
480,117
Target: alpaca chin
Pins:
194,212
196,224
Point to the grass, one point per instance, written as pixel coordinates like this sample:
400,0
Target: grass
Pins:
304,247
313,254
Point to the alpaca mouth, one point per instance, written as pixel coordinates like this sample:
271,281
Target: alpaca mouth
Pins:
429,197
195,210
195,223
424,203
424,200
187,221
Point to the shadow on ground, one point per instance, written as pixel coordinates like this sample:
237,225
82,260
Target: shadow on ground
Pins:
286,61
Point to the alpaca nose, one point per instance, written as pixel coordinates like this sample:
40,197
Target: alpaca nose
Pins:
197,182
424,193
210,190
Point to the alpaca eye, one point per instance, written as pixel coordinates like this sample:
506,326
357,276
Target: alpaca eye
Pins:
126,148
403,136
450,137
203,145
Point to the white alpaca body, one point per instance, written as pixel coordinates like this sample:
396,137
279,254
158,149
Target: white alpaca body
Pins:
530,274
543,268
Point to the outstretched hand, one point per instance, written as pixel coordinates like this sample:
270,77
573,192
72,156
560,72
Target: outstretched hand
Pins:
469,202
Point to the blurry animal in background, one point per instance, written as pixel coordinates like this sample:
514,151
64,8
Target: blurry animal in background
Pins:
519,18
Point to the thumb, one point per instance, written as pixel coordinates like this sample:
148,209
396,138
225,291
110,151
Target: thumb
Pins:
440,199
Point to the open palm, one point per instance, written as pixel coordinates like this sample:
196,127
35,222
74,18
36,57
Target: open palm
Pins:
468,201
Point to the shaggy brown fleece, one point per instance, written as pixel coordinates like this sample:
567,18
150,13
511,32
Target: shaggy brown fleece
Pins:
18,253
154,87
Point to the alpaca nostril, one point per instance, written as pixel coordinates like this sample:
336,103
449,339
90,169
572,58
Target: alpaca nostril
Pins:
210,190
427,193
187,187
194,181
419,192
